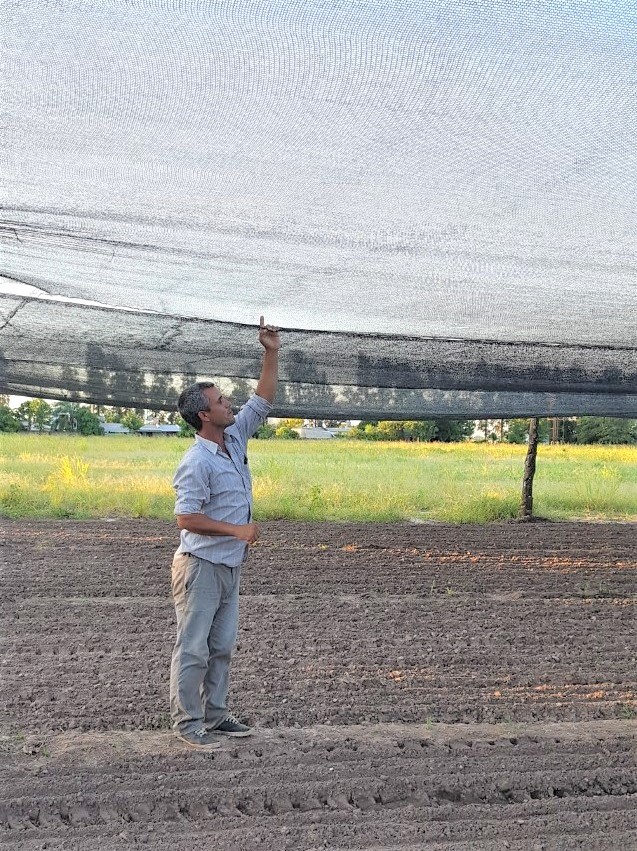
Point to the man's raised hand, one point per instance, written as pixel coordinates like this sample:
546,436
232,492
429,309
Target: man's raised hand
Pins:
269,336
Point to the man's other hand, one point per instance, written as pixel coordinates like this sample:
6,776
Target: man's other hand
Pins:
248,532
269,336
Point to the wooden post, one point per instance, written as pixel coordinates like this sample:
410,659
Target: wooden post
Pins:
526,508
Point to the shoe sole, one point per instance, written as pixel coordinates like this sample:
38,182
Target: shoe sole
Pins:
211,746
232,735
212,729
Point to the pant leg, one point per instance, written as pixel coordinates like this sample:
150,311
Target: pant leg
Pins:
221,642
197,593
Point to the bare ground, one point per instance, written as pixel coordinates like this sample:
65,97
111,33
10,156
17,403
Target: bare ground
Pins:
412,686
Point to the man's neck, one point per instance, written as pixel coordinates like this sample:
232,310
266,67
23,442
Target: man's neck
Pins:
215,434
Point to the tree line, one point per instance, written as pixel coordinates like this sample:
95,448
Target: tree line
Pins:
39,415
582,430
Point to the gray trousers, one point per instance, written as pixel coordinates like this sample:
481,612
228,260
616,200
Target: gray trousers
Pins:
206,599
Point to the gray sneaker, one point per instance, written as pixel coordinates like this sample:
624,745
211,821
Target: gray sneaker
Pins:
200,740
231,726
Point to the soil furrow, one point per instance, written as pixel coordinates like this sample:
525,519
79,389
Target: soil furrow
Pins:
414,686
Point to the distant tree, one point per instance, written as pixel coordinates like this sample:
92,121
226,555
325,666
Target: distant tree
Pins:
452,431
562,429
87,421
286,429
284,432
118,414
9,420
569,430
70,416
389,430
132,420
41,413
369,432
185,430
607,430
63,416
4,400
410,430
518,431
421,430
167,417
25,413
37,413
265,432
114,415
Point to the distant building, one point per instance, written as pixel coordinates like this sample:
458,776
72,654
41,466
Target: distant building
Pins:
314,433
114,428
152,430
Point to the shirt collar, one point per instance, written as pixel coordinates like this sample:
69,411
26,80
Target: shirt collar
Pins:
210,445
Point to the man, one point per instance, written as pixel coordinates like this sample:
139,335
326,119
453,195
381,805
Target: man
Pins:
214,513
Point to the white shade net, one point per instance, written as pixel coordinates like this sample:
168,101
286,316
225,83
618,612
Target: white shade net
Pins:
436,200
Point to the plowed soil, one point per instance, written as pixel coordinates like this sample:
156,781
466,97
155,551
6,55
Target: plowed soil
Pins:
412,687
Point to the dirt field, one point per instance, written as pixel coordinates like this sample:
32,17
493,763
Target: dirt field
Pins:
413,687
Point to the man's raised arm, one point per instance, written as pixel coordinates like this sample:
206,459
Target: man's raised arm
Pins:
271,342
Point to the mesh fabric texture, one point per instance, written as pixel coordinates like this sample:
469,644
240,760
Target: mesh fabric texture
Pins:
435,200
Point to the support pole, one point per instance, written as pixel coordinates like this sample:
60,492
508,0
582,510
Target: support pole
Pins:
526,508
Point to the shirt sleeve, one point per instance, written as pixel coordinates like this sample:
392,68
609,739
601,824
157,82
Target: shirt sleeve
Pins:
252,415
192,487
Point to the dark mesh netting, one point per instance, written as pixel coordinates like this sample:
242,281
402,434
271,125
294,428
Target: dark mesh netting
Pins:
436,201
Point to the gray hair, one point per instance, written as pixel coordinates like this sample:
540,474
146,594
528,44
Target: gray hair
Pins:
193,400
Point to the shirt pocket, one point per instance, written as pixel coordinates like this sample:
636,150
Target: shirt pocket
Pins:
185,570
193,568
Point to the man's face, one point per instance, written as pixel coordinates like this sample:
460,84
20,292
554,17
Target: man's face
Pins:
220,409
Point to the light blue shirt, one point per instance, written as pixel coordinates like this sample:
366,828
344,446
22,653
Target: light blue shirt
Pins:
211,483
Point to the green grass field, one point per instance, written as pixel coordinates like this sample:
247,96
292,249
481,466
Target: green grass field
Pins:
129,476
